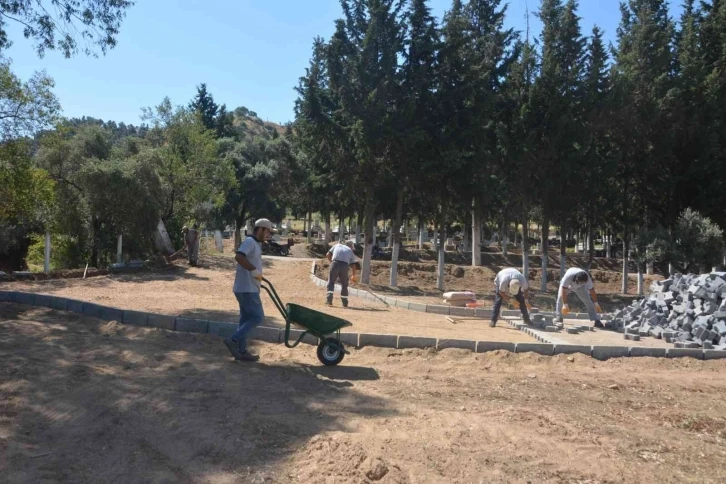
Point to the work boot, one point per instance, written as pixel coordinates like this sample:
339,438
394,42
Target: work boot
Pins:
492,323
247,356
345,303
528,321
329,300
558,319
598,324
233,348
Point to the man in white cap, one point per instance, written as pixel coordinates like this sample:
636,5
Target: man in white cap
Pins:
341,258
510,283
247,281
578,281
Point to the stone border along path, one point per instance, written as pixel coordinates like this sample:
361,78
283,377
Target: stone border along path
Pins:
547,346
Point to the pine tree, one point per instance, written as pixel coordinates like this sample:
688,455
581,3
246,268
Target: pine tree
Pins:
203,104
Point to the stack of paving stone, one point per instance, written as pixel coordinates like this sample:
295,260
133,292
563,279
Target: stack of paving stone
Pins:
687,310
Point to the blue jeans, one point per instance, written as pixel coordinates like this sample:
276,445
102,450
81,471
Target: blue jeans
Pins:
251,315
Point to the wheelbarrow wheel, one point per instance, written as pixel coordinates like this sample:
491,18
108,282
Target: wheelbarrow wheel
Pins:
330,352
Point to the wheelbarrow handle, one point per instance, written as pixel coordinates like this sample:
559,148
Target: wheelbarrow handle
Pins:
269,288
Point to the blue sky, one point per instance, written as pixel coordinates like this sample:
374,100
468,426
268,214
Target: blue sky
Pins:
249,52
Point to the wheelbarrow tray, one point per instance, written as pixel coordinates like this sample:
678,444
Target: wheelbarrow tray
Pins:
317,323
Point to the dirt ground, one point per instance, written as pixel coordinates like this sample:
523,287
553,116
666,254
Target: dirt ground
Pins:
83,400
205,292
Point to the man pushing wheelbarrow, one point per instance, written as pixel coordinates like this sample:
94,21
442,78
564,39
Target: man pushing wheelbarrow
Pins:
247,284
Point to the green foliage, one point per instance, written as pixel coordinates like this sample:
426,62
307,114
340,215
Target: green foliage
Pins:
25,107
61,23
699,241
65,252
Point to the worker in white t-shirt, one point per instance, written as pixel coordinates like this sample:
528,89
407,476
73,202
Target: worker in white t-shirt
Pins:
342,258
578,281
510,283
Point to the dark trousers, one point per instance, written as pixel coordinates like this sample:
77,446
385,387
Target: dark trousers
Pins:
498,299
338,271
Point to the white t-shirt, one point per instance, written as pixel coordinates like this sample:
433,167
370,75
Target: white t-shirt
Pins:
506,275
243,281
568,282
342,253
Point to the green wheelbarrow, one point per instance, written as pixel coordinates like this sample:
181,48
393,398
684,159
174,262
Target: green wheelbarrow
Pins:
330,350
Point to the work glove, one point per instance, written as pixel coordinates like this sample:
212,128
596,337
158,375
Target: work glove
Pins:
256,276
565,309
598,308
353,279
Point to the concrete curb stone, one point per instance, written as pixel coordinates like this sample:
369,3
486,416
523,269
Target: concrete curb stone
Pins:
111,314
546,349
683,352
349,339
186,325
484,346
264,333
25,298
380,340
714,354
59,303
161,321
221,329
414,306
415,342
436,309
570,349
400,303
136,318
92,310
74,306
465,344
637,351
43,300
463,312
605,352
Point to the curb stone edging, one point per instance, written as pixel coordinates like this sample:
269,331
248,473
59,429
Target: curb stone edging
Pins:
548,347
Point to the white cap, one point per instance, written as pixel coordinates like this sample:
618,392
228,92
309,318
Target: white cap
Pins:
514,287
264,223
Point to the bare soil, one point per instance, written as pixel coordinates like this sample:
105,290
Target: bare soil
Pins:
205,292
83,400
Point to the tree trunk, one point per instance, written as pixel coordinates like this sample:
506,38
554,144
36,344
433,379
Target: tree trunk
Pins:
640,278
590,247
505,237
328,229
396,238
626,247
475,235
545,251
525,248
563,251
369,238
341,228
421,233
95,227
442,247
310,227
609,245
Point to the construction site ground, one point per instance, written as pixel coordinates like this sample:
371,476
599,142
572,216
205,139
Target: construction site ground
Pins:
83,400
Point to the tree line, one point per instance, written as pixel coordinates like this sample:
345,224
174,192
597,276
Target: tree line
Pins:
400,116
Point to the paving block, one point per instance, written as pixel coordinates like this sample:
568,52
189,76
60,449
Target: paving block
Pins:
656,332
546,349
222,329
380,340
400,303
92,310
43,300
585,327
434,309
714,354
606,352
683,352
59,303
707,345
348,339
414,306
484,346
161,321
653,352
24,298
74,306
186,325
570,349
551,329
111,314
416,342
573,331
483,313
511,313
463,312
632,337
263,333
137,318
465,344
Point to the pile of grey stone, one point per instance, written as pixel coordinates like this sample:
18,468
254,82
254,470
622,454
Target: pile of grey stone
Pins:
687,310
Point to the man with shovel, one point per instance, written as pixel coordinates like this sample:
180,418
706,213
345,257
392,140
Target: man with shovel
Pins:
247,281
